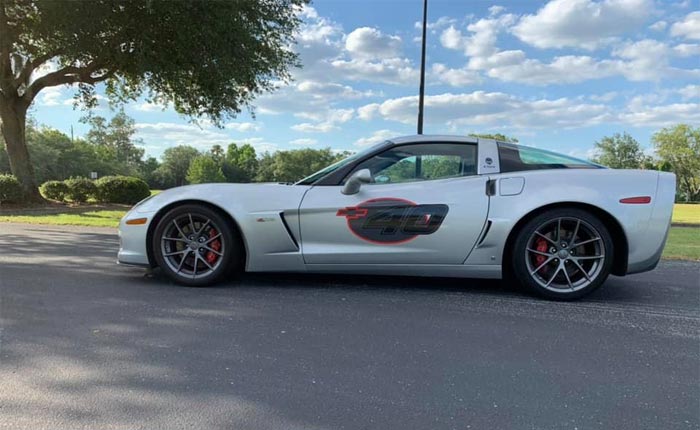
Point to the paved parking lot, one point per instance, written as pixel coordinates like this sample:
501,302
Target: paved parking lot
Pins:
85,343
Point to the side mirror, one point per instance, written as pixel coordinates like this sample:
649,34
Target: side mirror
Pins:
353,184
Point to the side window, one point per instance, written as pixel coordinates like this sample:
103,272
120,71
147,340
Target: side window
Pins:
515,158
422,162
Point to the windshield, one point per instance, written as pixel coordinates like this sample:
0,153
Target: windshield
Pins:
335,166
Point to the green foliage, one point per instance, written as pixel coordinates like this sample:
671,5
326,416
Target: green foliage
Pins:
176,163
240,163
114,143
121,189
496,136
679,146
10,189
205,59
80,190
54,190
620,151
291,166
203,170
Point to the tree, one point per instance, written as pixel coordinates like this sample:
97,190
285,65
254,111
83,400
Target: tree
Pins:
207,59
115,143
147,172
679,146
619,151
240,164
176,163
204,169
496,136
291,166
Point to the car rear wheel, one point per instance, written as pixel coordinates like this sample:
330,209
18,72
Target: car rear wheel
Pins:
194,245
563,254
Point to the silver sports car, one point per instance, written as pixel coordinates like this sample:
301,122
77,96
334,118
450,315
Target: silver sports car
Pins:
418,205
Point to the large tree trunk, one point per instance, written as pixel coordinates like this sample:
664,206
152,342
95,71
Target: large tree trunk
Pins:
14,119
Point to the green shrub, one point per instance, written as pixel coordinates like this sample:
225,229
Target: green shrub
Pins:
54,190
10,189
121,189
80,189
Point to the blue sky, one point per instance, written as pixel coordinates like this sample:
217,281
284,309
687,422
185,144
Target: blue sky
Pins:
555,74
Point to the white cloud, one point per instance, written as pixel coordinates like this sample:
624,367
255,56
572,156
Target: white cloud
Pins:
454,77
663,115
495,10
440,23
376,137
303,142
689,27
306,127
394,71
327,120
150,107
161,135
583,24
658,26
479,109
52,96
367,42
243,127
689,92
687,50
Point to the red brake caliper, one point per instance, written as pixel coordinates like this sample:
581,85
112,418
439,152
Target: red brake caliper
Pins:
215,245
540,245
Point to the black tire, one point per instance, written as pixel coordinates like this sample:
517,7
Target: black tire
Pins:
209,245
560,271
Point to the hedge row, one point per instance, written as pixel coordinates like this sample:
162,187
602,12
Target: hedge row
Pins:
10,190
110,189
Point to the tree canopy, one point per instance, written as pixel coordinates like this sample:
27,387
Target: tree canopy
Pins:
619,151
206,59
679,146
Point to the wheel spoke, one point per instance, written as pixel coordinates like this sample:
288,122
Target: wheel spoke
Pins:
182,261
191,224
196,261
179,230
559,230
206,263
201,229
553,276
566,274
170,254
534,251
541,265
212,239
212,250
576,245
573,238
176,239
589,257
546,238
582,269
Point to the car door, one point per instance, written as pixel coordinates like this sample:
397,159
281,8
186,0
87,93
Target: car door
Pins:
426,205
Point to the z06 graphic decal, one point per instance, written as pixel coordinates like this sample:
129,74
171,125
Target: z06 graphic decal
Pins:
388,221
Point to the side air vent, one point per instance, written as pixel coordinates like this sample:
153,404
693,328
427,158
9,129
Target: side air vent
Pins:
486,231
289,231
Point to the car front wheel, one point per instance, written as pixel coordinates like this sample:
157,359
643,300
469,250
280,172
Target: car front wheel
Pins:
563,254
194,245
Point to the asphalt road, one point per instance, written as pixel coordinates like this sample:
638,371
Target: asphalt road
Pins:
85,343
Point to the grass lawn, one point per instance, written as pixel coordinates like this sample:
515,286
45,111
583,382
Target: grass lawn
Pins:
683,243
92,218
686,214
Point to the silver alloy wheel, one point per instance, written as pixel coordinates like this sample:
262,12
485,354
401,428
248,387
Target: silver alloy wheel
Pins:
193,246
565,254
